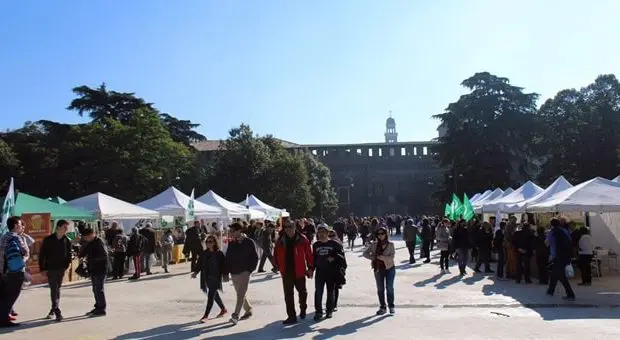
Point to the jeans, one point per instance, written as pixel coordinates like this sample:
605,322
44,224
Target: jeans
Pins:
321,280
411,249
137,264
54,280
385,282
266,256
10,288
289,284
523,267
240,283
146,257
166,255
585,267
98,282
558,274
213,295
118,267
463,259
501,261
444,259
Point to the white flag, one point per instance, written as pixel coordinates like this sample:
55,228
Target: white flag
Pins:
8,207
190,207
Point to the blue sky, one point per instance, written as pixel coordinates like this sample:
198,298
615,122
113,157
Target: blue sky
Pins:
306,71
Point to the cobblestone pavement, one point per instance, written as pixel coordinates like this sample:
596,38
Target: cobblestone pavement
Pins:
429,305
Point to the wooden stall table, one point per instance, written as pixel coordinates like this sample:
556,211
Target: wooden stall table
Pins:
177,254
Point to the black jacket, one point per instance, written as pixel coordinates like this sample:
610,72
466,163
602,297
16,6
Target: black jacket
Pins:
524,239
135,245
324,250
149,235
212,266
193,242
96,256
241,256
55,253
460,239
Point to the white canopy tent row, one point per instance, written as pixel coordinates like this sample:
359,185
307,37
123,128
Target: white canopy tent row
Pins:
497,193
480,197
110,208
617,179
596,195
230,209
523,193
172,202
560,184
253,203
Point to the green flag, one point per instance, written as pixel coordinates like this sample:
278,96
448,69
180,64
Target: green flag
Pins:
8,208
468,209
190,208
456,208
447,212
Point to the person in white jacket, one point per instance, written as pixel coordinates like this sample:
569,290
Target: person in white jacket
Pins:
443,237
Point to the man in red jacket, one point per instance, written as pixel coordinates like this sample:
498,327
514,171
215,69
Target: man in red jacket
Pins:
294,259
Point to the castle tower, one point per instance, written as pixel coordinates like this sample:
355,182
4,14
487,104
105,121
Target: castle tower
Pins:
391,136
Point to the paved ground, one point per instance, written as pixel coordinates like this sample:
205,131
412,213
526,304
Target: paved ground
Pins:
166,306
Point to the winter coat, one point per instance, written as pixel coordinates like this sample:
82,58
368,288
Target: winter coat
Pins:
212,268
303,257
410,233
387,257
443,238
149,236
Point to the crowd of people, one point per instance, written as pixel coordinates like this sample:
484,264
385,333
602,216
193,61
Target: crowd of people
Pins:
298,250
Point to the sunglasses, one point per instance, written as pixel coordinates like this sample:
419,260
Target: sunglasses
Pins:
210,241
379,234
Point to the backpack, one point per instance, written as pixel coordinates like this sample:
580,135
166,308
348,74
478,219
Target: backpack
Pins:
120,246
13,256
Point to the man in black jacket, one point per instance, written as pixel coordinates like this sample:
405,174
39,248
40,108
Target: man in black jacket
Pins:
523,242
149,246
193,245
427,238
241,261
96,256
54,259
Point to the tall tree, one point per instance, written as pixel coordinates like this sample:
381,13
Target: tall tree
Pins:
321,188
99,103
182,130
9,163
581,138
489,135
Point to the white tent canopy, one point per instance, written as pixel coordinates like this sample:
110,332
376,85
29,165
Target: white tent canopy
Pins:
523,193
231,209
595,195
497,193
482,196
172,202
617,179
474,197
558,185
109,208
253,203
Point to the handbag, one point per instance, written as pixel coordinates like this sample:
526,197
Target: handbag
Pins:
569,271
82,270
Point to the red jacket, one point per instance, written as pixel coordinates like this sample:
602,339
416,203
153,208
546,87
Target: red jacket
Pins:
304,260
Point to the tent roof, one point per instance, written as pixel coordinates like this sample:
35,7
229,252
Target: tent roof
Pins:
558,185
596,195
57,199
493,195
253,203
617,179
525,192
110,208
232,209
475,197
172,202
25,204
481,197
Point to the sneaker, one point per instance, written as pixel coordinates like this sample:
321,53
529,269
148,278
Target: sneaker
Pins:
392,310
246,315
302,314
59,317
234,319
427,261
328,315
274,270
381,311
13,313
289,321
222,313
12,318
91,312
318,316
442,272
50,315
335,309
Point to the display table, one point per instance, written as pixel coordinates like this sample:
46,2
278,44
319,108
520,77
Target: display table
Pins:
177,254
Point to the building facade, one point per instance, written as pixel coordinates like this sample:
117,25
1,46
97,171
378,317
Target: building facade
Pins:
373,179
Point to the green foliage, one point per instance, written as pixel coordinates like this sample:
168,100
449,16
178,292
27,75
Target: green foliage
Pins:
320,182
101,104
247,163
9,163
489,138
182,130
582,132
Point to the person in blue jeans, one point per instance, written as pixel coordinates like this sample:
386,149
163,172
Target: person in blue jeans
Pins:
328,253
96,256
381,253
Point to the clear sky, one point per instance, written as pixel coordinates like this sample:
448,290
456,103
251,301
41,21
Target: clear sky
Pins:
320,71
